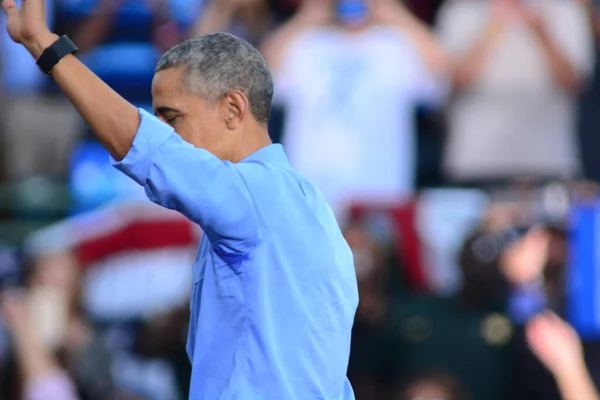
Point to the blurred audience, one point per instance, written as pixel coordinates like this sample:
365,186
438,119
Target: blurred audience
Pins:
37,129
41,375
457,286
121,40
135,259
349,74
519,67
248,19
48,327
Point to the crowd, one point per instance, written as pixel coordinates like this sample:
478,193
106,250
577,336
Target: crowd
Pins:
452,138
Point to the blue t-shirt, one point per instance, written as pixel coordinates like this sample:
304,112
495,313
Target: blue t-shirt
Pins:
274,289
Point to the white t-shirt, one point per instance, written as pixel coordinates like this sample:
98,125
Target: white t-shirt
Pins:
350,101
514,120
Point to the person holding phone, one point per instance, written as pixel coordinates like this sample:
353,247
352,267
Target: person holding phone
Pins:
349,74
520,66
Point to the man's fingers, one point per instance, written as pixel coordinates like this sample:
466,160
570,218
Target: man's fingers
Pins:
10,7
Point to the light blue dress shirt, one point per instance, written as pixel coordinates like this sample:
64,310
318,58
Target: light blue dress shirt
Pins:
274,289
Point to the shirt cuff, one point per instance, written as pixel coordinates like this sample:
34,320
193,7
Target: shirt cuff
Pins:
151,134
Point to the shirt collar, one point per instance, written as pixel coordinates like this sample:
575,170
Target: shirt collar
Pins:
273,154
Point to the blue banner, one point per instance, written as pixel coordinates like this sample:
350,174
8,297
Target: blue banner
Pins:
583,272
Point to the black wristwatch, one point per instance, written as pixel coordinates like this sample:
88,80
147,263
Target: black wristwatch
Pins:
56,52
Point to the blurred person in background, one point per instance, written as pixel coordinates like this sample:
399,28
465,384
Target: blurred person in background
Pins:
558,347
37,129
249,19
48,325
467,334
121,40
350,74
39,372
590,102
135,260
368,369
523,264
528,262
433,386
519,68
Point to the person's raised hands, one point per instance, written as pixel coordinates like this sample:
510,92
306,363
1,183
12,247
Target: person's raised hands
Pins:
315,12
524,261
389,11
555,344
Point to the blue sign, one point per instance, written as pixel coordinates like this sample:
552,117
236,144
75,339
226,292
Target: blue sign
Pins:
95,182
583,279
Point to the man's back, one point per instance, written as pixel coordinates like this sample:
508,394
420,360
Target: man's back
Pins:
274,322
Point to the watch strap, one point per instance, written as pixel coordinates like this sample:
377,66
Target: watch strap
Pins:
56,52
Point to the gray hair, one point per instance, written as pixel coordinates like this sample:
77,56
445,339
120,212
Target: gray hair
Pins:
218,63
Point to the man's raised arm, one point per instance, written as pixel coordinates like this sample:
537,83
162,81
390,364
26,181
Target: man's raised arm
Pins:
114,120
173,172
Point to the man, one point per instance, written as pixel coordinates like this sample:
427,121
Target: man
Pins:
520,66
274,292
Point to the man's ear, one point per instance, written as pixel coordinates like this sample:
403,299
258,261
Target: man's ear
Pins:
236,108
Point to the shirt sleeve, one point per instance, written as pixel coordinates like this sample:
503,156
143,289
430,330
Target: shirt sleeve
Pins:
55,385
181,177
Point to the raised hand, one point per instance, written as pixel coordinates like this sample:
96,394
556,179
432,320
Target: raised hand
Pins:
315,12
27,25
555,344
389,11
524,261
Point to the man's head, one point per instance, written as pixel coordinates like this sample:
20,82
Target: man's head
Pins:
216,91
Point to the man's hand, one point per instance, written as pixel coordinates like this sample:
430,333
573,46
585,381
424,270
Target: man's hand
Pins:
27,25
